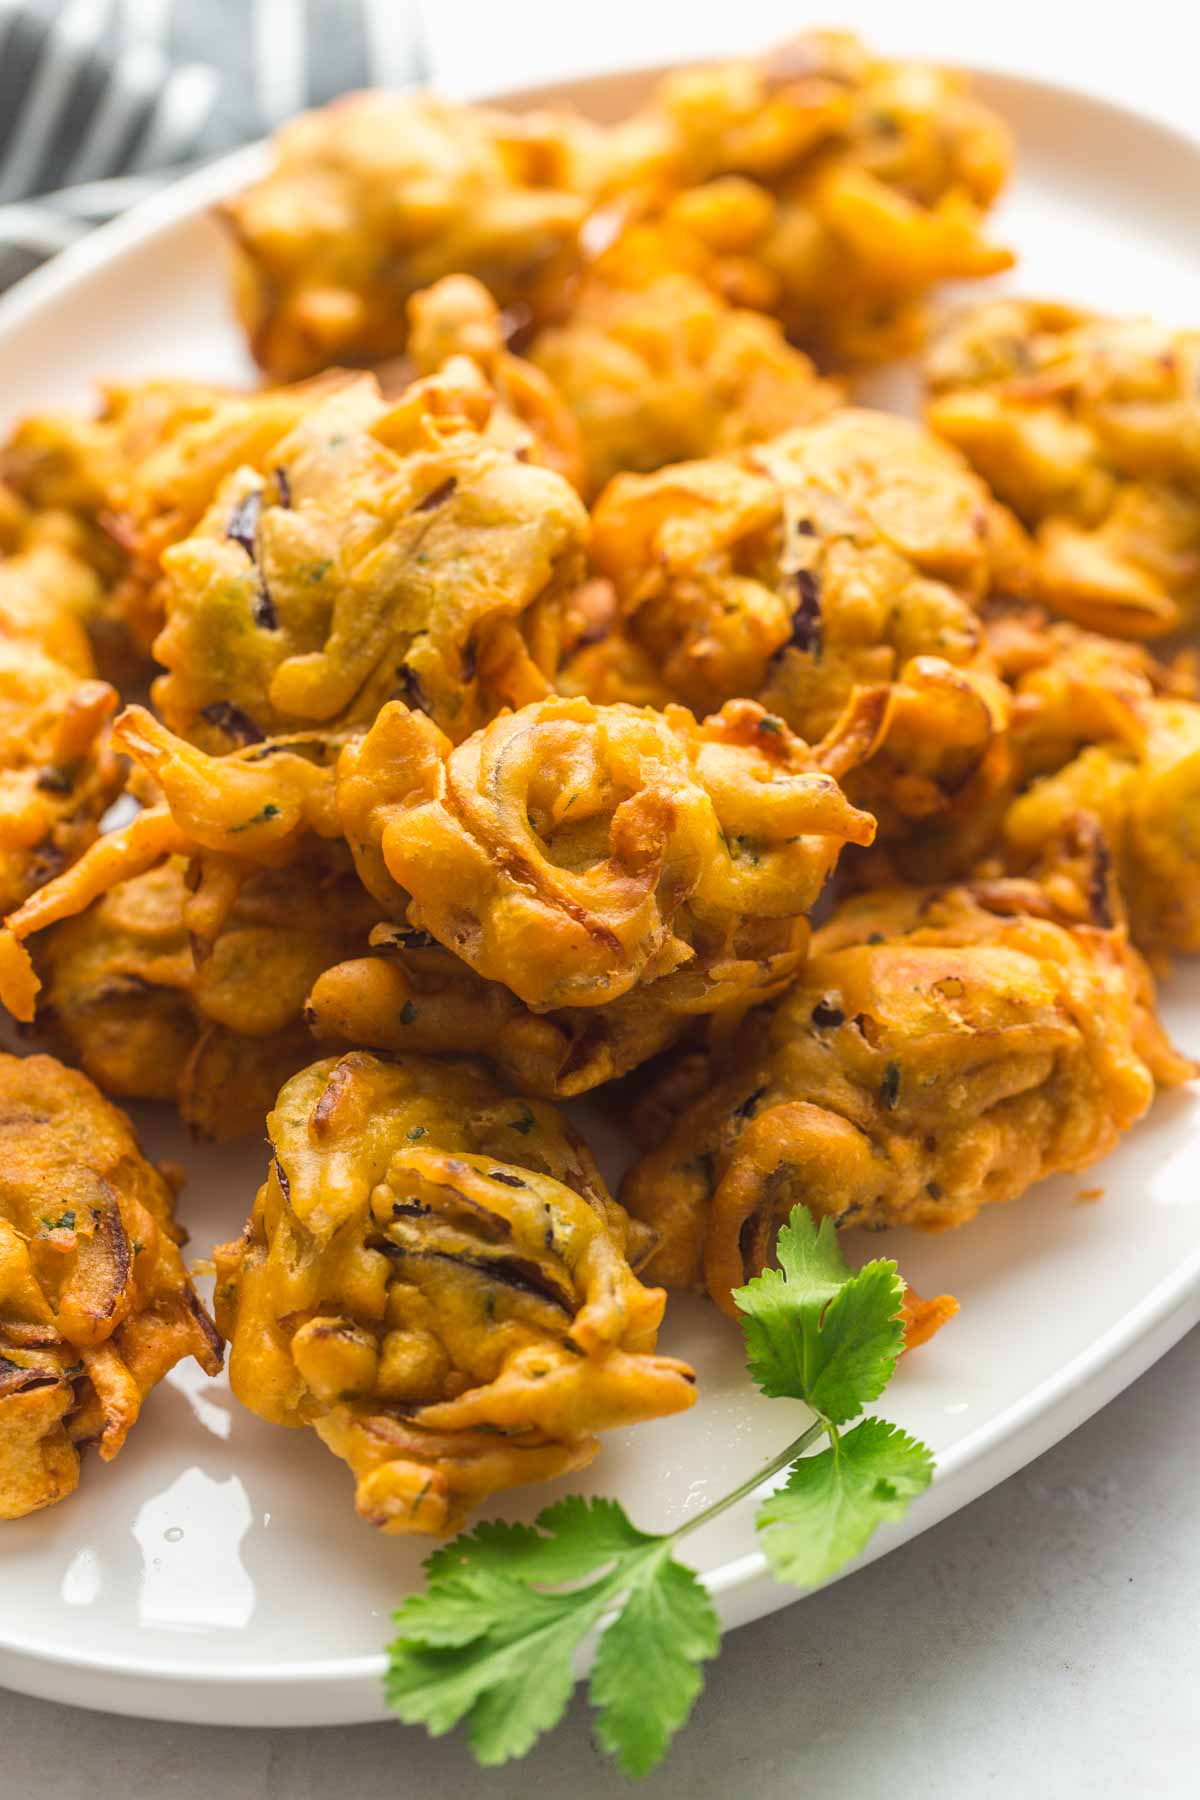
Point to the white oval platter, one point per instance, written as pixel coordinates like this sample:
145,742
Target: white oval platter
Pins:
217,1571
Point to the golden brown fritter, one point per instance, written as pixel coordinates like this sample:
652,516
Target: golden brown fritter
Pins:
576,852
382,194
657,368
1090,429
392,550
150,1013
437,1281
57,770
830,186
137,478
825,558
853,551
1071,687
942,1049
265,807
95,1304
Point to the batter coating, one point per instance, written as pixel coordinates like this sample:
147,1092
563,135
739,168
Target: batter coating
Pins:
436,1280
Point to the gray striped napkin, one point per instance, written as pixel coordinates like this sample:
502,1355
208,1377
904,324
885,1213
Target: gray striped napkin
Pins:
101,101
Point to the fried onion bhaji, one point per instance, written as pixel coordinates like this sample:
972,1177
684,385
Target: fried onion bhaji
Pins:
853,551
95,1304
136,479
656,367
271,806
831,187
58,773
1090,429
435,1278
577,852
392,550
382,194
126,995
943,1049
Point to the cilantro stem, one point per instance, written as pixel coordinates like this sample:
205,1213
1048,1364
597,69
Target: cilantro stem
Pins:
796,1448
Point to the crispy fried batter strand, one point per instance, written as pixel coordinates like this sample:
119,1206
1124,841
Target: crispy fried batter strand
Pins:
435,1278
259,808
95,1305
943,1049
575,852
1090,429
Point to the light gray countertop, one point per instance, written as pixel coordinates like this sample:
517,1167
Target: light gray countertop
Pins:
1041,1642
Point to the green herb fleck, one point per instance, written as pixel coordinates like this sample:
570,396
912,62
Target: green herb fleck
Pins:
261,817
524,1121
408,1013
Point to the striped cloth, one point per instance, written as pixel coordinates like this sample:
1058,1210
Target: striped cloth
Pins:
101,101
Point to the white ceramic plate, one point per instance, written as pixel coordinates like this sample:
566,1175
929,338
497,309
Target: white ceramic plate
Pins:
217,1572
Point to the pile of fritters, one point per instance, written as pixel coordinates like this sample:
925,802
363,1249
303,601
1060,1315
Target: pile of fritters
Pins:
522,677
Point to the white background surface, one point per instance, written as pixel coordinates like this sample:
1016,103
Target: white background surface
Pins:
1043,1641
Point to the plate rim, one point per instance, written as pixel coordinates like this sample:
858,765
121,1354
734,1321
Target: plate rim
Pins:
1094,1376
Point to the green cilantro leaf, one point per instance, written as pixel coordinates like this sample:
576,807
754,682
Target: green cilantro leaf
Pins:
815,1330
858,1343
490,1650
831,1503
487,1644
646,1677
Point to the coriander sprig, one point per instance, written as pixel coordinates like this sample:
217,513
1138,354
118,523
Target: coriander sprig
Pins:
493,1639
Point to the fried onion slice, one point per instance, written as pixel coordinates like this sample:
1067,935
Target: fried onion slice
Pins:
415,996
577,852
95,1304
436,1280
